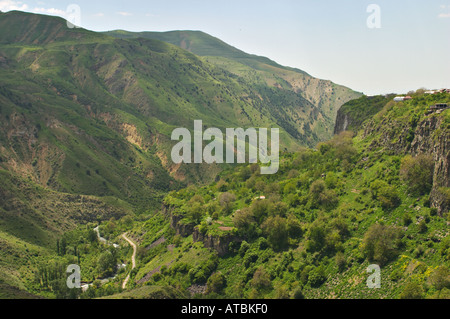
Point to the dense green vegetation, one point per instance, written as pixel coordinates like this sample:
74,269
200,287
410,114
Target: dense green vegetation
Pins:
309,231
354,113
86,119
282,86
85,132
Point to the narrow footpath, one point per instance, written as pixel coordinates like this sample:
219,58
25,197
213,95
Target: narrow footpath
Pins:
133,259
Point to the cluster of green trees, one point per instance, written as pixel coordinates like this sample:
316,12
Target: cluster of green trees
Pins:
324,215
318,203
52,277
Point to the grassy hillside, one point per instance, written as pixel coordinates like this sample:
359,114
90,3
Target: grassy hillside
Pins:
312,230
282,85
86,120
199,43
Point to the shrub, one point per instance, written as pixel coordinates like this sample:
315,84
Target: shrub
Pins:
417,173
381,243
298,294
260,210
317,277
294,227
276,229
386,194
407,220
440,278
243,249
341,261
216,283
227,200
316,237
412,290
261,280
423,228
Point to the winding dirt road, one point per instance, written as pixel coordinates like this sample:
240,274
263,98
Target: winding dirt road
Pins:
133,259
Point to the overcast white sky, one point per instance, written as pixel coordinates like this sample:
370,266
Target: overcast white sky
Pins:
329,39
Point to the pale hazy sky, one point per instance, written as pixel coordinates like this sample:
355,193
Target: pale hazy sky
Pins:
329,39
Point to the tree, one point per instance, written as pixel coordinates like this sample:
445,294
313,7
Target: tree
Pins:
412,290
259,210
422,227
331,180
381,243
196,212
107,263
317,188
317,277
440,278
328,199
276,229
227,200
127,220
278,208
92,236
341,261
281,293
244,248
294,227
221,186
245,173
290,188
385,193
63,246
261,280
316,236
298,294
321,195
417,172
216,283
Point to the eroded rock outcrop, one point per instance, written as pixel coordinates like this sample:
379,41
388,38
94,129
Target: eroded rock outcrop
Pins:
429,136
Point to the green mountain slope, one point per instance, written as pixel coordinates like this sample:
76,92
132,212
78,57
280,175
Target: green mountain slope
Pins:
199,43
86,120
264,73
313,229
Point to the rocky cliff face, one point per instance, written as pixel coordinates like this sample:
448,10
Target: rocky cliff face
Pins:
429,136
352,114
343,121
219,244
